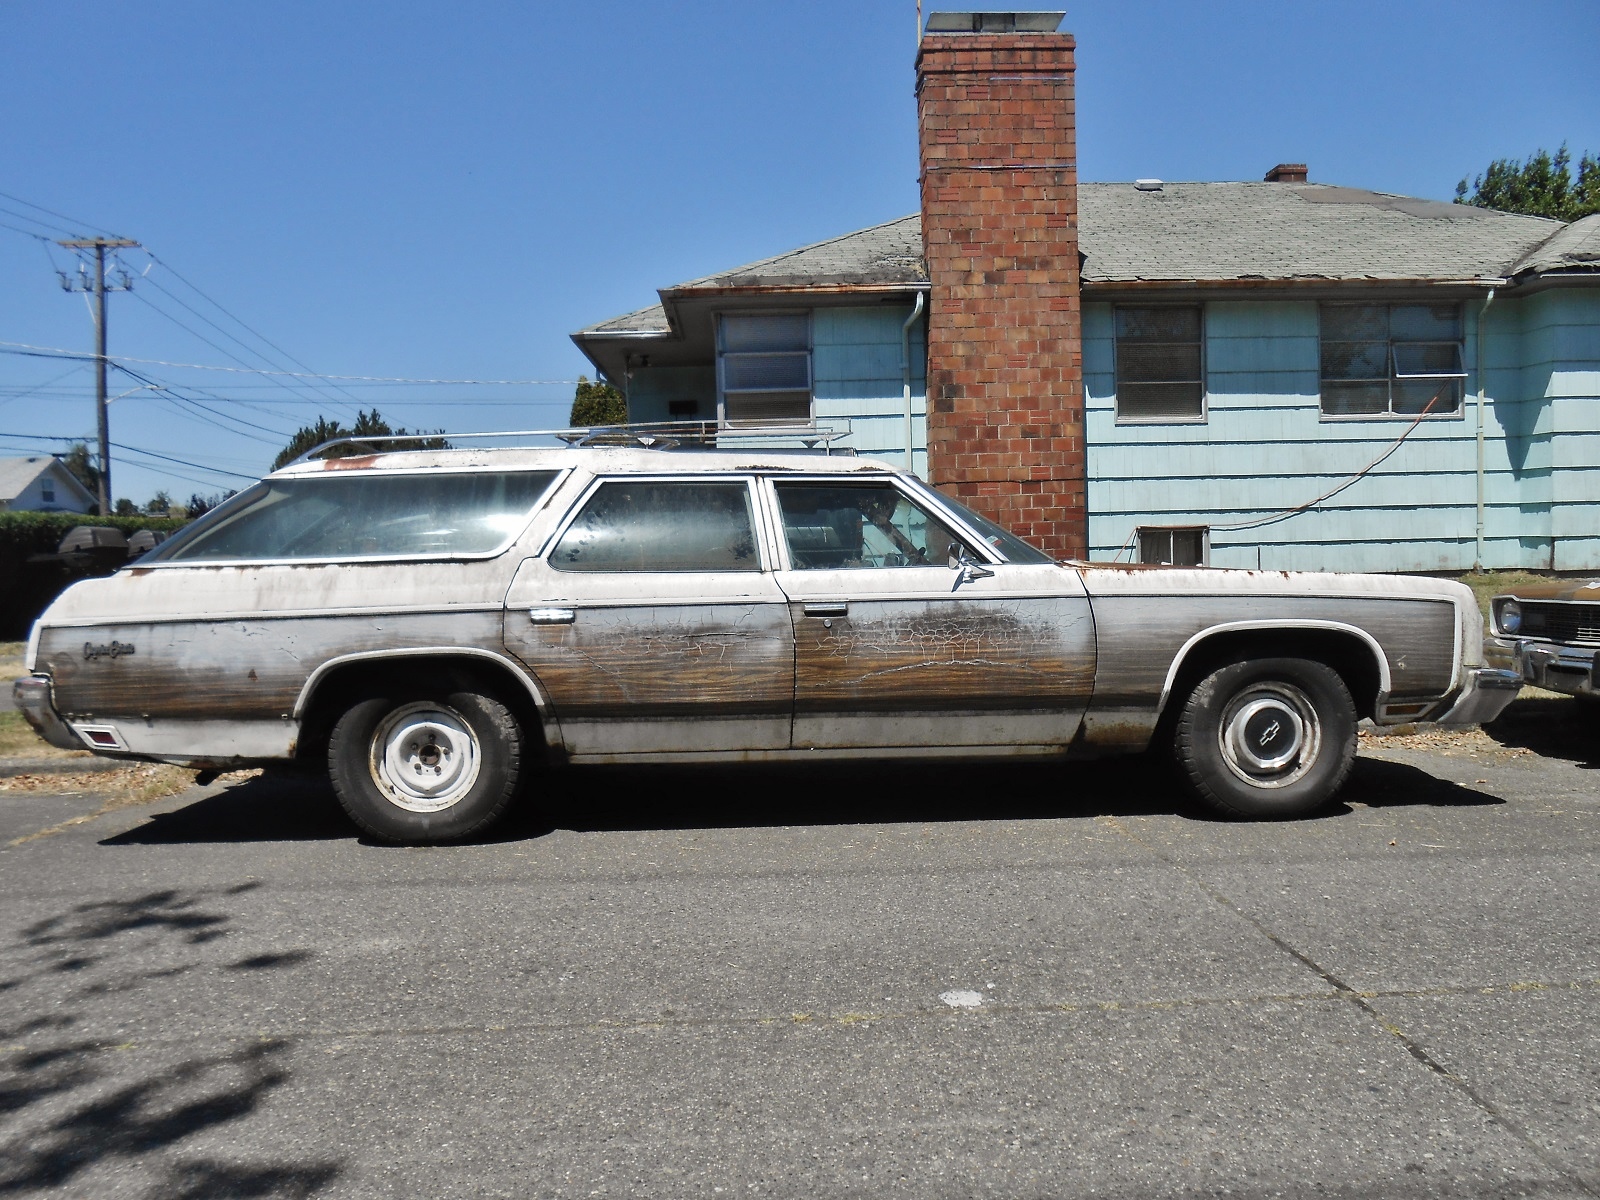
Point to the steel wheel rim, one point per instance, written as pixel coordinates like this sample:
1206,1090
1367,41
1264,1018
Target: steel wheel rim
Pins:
425,757
1270,734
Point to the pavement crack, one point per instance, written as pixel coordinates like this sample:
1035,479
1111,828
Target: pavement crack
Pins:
1360,1000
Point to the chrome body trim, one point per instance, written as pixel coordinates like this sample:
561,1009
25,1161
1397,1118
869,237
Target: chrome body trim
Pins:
1484,696
32,697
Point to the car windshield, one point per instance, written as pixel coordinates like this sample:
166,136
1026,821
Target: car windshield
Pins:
364,515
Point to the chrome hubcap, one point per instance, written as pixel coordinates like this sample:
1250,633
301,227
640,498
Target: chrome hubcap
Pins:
1270,734
424,757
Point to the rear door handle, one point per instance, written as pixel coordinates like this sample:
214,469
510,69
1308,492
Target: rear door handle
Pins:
826,610
552,616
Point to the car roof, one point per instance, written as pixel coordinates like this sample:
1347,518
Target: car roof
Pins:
597,459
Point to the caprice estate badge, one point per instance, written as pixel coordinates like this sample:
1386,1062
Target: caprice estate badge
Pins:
107,650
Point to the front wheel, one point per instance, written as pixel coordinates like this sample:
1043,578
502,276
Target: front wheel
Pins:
1268,737
419,768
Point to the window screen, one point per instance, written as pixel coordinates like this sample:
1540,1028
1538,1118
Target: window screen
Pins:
661,526
1391,359
1159,369
1176,547
764,368
364,515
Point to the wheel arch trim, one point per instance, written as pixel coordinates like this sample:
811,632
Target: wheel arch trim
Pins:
536,693
1276,626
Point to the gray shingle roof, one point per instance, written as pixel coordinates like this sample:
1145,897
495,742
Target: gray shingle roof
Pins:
887,253
1209,233
1213,232
645,320
1575,248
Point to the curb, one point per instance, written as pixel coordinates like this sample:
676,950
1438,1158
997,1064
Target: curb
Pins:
10,767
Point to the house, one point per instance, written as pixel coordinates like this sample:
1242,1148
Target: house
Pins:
41,484
1278,374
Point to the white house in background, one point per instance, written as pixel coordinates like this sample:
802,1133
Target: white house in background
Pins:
41,484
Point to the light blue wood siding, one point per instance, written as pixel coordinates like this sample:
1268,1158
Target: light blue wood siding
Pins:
856,370
857,382
652,388
1265,449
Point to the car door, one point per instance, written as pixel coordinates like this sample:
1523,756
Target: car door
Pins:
894,648
654,625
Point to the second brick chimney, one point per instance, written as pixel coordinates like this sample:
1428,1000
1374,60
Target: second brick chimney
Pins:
1286,173
1000,228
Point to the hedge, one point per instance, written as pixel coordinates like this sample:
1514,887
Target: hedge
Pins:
26,589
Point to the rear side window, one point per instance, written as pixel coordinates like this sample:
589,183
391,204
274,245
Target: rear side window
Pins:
365,515
661,526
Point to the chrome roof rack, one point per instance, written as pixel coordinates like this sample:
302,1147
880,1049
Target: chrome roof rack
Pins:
646,435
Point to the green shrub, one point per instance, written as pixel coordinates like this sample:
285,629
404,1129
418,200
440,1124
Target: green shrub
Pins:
27,588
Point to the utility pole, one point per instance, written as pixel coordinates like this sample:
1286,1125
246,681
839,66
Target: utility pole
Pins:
98,286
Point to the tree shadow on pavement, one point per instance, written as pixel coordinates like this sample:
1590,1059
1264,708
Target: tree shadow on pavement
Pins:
73,1103
1565,728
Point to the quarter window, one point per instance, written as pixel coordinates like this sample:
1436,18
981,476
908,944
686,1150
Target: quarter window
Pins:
661,526
1391,359
364,514
848,526
1160,376
764,368
1175,547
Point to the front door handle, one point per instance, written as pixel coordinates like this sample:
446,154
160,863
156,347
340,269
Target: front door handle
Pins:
552,616
826,610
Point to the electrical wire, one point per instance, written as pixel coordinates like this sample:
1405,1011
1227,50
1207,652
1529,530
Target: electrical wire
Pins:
54,213
30,350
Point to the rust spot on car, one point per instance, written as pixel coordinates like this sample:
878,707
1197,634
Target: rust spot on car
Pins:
356,462
139,570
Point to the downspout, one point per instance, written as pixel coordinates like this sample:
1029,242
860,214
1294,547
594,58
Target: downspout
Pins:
905,369
1487,300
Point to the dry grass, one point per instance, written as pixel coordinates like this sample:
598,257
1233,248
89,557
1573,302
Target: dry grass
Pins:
18,740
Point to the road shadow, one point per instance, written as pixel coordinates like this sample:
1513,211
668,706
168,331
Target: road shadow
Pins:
292,807
74,1103
275,806
1378,783
1564,728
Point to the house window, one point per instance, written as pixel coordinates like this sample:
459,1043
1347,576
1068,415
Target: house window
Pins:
47,491
1382,360
1176,547
1160,372
764,368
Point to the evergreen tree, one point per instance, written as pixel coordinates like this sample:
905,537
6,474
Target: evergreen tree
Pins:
1543,186
597,403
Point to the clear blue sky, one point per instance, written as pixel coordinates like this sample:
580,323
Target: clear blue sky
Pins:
432,190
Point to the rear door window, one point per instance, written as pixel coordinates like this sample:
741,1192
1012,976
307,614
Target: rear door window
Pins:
661,525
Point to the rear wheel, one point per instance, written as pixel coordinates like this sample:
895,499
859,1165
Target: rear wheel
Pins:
418,768
1269,737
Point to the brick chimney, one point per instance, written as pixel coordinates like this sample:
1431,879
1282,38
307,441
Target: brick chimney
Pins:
1000,228
1286,173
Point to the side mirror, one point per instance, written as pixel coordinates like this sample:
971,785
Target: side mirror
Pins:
966,567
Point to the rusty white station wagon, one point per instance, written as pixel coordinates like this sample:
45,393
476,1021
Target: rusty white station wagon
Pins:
438,624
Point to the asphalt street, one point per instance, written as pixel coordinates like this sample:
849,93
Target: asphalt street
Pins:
904,981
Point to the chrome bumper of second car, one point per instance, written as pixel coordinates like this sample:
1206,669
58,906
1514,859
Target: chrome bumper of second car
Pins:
1488,691
1557,668
32,697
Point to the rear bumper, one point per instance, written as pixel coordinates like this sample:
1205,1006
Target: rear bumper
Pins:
1487,692
1557,668
32,697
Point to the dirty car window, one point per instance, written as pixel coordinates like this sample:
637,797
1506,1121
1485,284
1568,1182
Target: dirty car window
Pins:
365,515
661,526
832,526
